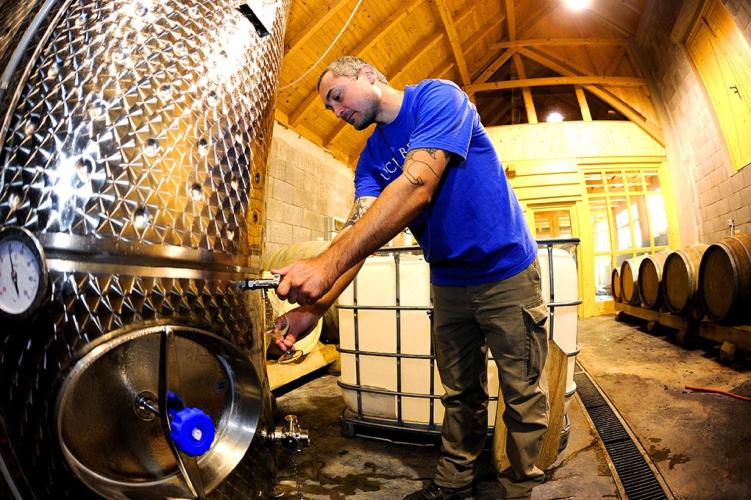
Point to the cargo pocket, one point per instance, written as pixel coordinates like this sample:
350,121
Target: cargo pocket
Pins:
536,348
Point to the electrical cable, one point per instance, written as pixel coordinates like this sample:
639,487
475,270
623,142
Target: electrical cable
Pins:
328,49
717,391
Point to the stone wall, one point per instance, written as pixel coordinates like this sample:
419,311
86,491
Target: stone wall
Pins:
305,185
704,180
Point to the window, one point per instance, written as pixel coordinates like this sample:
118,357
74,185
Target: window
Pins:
628,218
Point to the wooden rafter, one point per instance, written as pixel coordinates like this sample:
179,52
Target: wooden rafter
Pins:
634,60
610,23
413,59
580,31
612,81
453,38
494,66
500,55
630,5
561,42
366,44
544,9
510,19
551,62
309,135
529,104
617,58
313,28
498,108
583,105
405,67
485,32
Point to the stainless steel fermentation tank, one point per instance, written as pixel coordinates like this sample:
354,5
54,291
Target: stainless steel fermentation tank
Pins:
134,140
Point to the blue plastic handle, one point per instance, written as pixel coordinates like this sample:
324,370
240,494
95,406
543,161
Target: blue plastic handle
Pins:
192,431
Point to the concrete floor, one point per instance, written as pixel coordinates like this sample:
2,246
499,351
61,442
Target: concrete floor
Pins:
699,442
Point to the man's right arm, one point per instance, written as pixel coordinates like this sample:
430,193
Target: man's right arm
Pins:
302,319
359,207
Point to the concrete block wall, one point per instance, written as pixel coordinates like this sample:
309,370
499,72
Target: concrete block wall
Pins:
305,184
708,188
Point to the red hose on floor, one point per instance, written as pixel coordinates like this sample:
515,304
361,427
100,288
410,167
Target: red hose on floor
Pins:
718,391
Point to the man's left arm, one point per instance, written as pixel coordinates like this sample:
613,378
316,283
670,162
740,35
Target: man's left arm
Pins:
305,281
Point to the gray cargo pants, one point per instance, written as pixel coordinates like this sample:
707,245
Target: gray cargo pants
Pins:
509,317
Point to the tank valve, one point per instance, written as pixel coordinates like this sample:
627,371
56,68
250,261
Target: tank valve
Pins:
262,284
291,435
191,429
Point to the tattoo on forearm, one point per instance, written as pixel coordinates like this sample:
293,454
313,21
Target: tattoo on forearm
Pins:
359,208
412,166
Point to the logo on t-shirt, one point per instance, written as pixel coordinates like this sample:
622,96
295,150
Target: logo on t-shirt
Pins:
393,165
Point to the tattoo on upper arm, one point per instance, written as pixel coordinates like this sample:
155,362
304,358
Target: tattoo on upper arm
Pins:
359,207
412,165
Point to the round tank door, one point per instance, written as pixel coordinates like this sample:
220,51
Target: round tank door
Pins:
166,411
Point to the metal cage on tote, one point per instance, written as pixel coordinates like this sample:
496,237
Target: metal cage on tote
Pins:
357,422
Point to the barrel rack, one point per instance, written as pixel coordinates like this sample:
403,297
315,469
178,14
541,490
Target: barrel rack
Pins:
730,338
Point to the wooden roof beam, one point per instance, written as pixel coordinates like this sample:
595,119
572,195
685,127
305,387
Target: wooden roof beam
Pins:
615,61
580,32
453,38
510,19
405,67
544,9
496,110
609,23
631,5
561,42
551,62
612,81
313,28
529,104
495,61
485,32
365,44
311,136
494,66
583,105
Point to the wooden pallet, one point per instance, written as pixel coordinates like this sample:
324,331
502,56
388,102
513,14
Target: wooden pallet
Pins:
731,338
282,374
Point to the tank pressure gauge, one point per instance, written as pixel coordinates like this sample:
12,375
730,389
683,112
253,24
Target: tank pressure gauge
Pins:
23,272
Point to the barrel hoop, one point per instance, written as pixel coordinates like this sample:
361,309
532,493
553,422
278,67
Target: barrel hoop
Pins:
735,289
743,246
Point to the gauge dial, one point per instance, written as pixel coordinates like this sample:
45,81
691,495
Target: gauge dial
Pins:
23,272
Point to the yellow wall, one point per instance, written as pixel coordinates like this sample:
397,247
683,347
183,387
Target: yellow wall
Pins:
545,164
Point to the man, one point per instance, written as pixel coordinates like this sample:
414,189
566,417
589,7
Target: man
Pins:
430,165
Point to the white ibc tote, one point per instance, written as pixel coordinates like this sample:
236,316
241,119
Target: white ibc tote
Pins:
563,304
386,354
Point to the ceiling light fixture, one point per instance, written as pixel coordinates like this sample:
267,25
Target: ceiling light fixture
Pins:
577,4
554,117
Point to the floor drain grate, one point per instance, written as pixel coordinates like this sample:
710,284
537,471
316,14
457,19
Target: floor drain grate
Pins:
638,479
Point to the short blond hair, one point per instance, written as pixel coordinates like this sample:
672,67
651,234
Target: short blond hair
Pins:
349,66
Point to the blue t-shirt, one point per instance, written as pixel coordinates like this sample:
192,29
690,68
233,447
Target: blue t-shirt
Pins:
473,230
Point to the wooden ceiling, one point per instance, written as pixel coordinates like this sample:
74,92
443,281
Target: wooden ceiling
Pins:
487,46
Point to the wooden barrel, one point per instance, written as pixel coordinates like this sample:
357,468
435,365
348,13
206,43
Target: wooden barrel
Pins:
725,279
629,275
615,285
650,279
680,278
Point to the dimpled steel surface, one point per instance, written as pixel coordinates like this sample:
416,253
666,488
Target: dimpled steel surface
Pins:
142,124
14,16
144,121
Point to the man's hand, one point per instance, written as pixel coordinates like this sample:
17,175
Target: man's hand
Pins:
299,321
305,281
